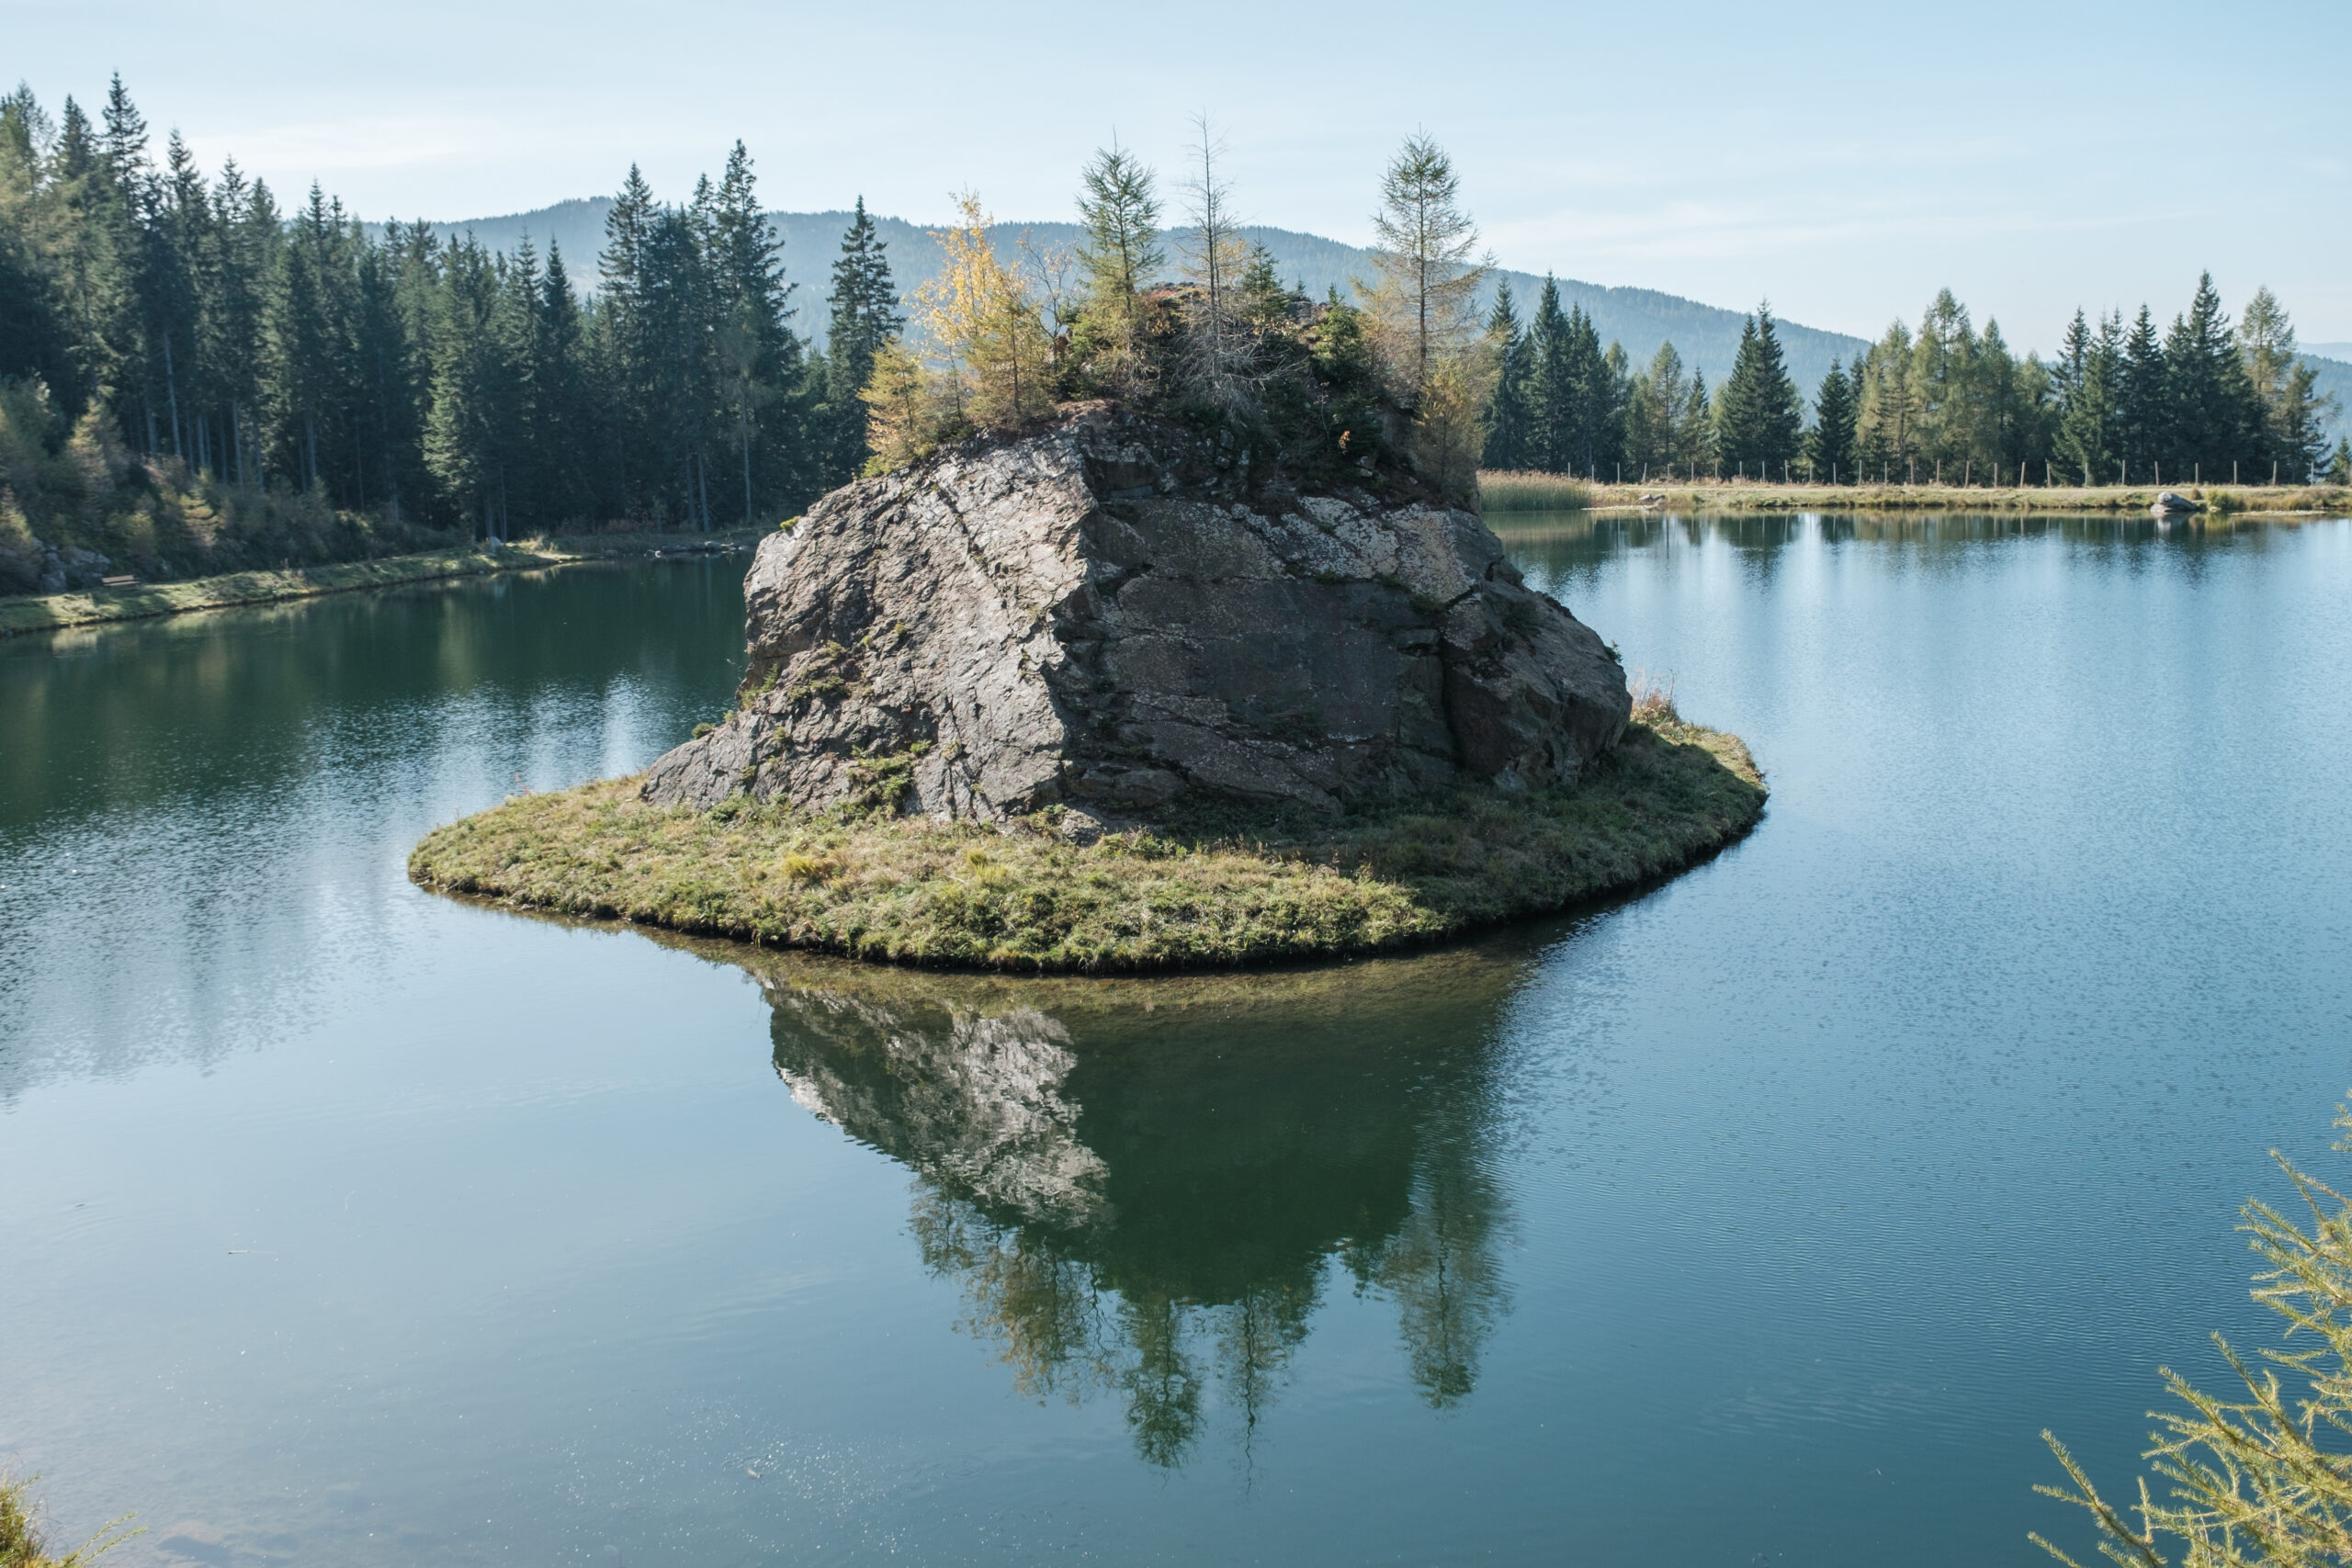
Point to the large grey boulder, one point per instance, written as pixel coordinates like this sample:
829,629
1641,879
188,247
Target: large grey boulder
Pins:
1113,616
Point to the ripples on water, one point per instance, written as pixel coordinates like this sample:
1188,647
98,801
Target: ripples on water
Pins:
1767,1216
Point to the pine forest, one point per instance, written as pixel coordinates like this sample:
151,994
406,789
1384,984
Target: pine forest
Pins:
192,378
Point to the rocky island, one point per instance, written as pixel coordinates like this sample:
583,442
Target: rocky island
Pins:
1179,643
1107,620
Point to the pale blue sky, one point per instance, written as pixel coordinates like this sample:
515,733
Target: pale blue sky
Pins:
1844,159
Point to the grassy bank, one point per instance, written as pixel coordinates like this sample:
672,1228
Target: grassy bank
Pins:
45,611
1528,492
1503,490
912,890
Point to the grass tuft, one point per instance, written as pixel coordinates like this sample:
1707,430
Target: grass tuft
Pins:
22,1544
1213,890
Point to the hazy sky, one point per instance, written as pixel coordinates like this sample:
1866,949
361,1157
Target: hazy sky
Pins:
1845,160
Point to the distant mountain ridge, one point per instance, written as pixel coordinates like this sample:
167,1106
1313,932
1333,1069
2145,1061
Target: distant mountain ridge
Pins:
1706,336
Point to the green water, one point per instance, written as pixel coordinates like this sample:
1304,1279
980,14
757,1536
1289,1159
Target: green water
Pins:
1768,1216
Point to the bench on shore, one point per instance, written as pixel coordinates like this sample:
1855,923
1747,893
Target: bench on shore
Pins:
124,582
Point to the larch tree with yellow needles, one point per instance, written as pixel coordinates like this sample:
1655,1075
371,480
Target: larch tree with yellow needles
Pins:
2266,1478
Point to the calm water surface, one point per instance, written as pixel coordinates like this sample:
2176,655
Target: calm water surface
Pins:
1767,1217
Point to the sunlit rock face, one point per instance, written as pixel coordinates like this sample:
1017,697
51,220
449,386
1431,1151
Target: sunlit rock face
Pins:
1113,615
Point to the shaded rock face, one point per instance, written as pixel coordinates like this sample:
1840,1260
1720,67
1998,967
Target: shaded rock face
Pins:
1109,616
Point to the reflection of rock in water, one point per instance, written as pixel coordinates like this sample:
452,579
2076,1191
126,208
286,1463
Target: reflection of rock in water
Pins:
972,1102
1144,1187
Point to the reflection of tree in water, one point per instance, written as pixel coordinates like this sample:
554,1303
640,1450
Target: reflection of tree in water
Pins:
1144,1188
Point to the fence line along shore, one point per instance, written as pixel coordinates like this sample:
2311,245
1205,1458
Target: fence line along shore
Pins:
1505,493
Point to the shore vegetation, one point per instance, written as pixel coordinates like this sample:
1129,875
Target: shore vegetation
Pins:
2259,1476
23,1544
1211,891
1502,494
196,377
2199,402
144,601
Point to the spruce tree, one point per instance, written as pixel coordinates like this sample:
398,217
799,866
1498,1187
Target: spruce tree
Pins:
1552,349
759,357
1121,254
386,415
2210,400
2145,406
2089,398
1694,426
563,429
1829,446
123,147
864,319
1612,395
1508,416
1759,415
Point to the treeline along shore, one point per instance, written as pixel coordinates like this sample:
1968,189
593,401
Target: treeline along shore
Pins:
195,381
2200,402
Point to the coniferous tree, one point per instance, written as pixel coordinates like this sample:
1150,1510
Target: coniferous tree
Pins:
477,387
2146,405
1553,399
34,340
1613,390
2290,410
1510,422
386,431
1423,307
759,356
1759,414
1120,254
1829,444
1694,436
864,320
1653,411
2090,395
2212,417
1220,355
568,469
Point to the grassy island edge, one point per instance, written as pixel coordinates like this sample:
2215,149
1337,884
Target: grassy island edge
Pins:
1214,892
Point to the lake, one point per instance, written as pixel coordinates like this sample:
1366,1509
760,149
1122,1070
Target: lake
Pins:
1768,1216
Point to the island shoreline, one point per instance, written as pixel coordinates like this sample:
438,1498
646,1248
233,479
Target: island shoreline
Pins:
1224,893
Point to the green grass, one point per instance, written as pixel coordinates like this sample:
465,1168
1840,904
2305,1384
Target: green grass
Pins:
21,1542
46,612
912,890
